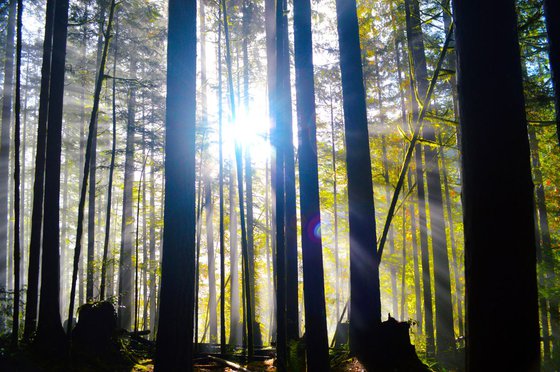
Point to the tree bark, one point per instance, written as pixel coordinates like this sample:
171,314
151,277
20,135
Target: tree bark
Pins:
500,251
175,330
552,17
365,301
50,335
316,341
38,189
7,90
125,263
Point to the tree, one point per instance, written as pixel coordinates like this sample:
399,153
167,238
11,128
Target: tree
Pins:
313,281
38,190
125,262
7,90
50,334
175,331
365,298
499,235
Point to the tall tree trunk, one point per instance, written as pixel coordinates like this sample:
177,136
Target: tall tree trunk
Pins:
335,213
38,190
175,329
221,194
455,258
270,30
313,279
235,319
497,230
93,172
50,334
5,140
17,176
104,261
125,263
552,17
417,285
365,301
152,262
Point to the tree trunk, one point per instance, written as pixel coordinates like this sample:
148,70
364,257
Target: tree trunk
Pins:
50,335
235,319
92,174
125,263
500,236
17,176
316,341
5,141
38,190
365,301
104,262
175,329
212,304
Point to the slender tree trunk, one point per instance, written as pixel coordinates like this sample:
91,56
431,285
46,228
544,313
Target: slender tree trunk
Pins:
152,263
497,230
335,213
17,177
104,261
313,279
221,194
417,285
125,263
270,30
212,304
455,258
38,190
5,141
93,173
365,301
235,319
175,330
50,335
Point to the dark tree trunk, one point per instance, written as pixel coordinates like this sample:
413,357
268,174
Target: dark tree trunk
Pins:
496,230
50,334
175,330
552,16
37,209
125,263
17,176
365,301
7,90
316,340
